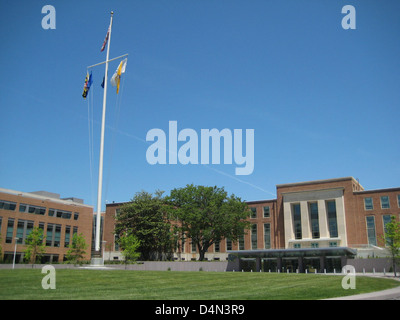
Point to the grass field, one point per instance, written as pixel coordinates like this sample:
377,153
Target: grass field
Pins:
78,284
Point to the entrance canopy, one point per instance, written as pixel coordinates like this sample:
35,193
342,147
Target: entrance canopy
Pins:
293,253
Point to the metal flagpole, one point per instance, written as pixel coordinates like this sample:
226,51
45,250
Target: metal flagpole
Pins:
99,190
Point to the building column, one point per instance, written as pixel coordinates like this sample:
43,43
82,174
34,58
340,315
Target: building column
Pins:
305,220
288,223
323,219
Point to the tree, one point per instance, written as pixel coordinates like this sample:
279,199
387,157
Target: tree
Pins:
392,240
207,215
77,249
145,217
35,246
129,245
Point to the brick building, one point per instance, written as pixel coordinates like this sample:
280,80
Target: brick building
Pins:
59,218
314,223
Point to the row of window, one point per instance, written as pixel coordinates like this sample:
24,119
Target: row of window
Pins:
266,212
29,208
314,219
52,232
371,230
332,244
385,203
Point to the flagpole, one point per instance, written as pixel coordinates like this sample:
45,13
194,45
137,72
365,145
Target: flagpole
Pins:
103,121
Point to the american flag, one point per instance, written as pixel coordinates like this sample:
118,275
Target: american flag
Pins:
105,40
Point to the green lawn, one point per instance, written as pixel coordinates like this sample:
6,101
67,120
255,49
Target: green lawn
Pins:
163,285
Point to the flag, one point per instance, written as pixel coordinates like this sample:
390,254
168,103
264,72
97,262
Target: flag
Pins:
106,39
115,79
102,84
88,83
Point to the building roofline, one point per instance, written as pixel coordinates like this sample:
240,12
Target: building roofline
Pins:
284,185
39,197
378,190
260,201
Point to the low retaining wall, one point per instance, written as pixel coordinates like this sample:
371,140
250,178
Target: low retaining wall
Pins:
218,266
361,265
372,265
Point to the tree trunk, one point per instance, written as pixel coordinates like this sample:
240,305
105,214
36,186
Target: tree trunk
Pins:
202,253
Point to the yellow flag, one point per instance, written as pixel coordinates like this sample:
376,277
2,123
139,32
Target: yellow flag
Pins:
116,78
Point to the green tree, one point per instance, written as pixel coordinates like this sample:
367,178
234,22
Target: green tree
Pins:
129,245
145,217
77,249
35,246
206,215
392,240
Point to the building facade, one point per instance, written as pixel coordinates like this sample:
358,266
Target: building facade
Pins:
59,219
314,223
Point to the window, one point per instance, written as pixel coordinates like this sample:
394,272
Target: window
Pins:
76,215
228,244
385,202
253,213
24,228
193,246
266,212
371,230
297,221
49,234
116,243
7,205
57,235
297,245
28,208
67,236
314,245
241,242
254,237
398,200
314,220
60,213
368,204
216,247
267,236
332,244
20,231
10,230
332,221
386,219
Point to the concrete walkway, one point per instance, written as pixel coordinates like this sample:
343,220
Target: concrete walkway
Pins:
389,294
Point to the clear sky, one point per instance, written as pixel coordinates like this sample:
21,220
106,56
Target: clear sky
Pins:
324,102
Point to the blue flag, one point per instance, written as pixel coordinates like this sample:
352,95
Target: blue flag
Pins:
88,83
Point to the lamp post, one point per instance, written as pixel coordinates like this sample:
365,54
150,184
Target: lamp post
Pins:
15,251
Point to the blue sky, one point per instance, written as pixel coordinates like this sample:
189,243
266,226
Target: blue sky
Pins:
324,102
